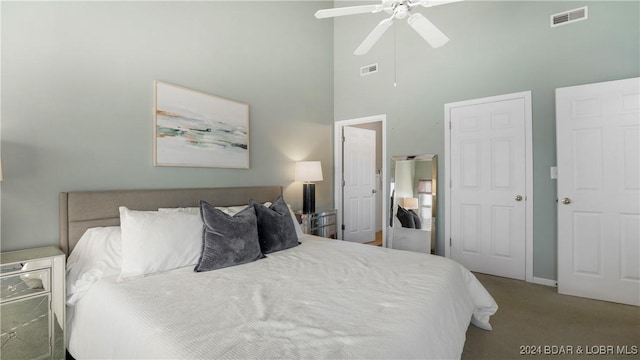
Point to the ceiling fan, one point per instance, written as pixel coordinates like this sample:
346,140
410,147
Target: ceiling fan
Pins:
399,9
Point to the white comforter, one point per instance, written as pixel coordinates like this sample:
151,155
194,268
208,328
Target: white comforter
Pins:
322,299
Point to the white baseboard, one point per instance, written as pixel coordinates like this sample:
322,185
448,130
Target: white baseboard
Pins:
546,282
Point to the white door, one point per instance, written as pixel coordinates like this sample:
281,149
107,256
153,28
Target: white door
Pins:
598,145
488,187
359,218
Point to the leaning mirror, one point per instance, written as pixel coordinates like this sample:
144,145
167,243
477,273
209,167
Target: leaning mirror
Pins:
413,190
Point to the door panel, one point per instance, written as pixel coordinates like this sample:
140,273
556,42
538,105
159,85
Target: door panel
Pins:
470,219
488,164
630,248
501,160
359,180
598,127
501,217
588,238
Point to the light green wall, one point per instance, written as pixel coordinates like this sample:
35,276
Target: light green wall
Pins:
77,97
77,90
495,48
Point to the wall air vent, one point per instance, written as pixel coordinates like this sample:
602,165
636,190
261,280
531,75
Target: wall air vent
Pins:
369,69
570,16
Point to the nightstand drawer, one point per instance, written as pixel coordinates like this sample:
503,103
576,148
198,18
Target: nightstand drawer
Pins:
321,223
322,219
5,269
24,284
23,266
26,328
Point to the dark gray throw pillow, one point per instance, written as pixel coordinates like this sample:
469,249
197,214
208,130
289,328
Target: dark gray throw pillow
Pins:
275,226
405,217
228,240
416,219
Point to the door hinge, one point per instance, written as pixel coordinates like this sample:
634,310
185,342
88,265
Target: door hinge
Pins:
449,125
344,139
450,242
344,183
343,227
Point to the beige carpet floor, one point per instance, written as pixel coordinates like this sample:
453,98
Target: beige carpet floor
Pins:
535,322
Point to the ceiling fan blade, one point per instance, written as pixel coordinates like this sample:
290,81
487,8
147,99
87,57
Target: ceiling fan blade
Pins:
373,37
430,3
348,10
427,30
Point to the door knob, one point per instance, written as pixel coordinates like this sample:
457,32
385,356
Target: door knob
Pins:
518,197
373,191
566,201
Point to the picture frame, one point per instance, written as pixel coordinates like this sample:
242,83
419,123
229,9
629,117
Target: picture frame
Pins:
196,129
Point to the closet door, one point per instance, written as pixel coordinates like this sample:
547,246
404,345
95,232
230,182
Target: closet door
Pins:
598,144
488,184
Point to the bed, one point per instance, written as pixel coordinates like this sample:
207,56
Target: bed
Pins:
321,299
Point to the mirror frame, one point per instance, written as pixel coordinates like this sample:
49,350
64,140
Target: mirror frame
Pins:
433,158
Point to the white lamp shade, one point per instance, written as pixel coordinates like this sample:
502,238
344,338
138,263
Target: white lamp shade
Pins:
307,171
410,203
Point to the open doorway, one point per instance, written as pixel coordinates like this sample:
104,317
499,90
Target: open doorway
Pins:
352,214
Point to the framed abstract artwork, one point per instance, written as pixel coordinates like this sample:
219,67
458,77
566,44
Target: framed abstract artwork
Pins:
195,129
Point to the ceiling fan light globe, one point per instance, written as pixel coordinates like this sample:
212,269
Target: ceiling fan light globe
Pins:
401,12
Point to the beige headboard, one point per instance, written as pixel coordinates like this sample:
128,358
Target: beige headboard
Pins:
85,209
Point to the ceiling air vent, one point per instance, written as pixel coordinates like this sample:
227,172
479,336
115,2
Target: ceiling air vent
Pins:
369,69
570,16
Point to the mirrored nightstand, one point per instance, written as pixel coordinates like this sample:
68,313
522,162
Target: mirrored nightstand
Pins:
32,304
321,223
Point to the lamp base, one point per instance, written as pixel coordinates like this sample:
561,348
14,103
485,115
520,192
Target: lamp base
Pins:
308,198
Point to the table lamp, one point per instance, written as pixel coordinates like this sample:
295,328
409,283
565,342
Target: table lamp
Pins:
306,172
410,203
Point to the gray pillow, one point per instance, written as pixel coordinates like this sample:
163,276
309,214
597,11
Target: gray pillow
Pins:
416,219
405,217
228,240
276,230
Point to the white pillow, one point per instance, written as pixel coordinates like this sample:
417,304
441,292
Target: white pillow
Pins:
97,254
229,210
232,210
190,210
296,224
154,241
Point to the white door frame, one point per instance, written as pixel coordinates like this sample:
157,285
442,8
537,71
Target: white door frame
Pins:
337,168
526,95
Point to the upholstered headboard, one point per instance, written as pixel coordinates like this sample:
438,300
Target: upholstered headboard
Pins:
85,209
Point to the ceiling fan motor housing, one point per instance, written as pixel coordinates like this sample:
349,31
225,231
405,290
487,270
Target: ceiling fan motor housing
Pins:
399,9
